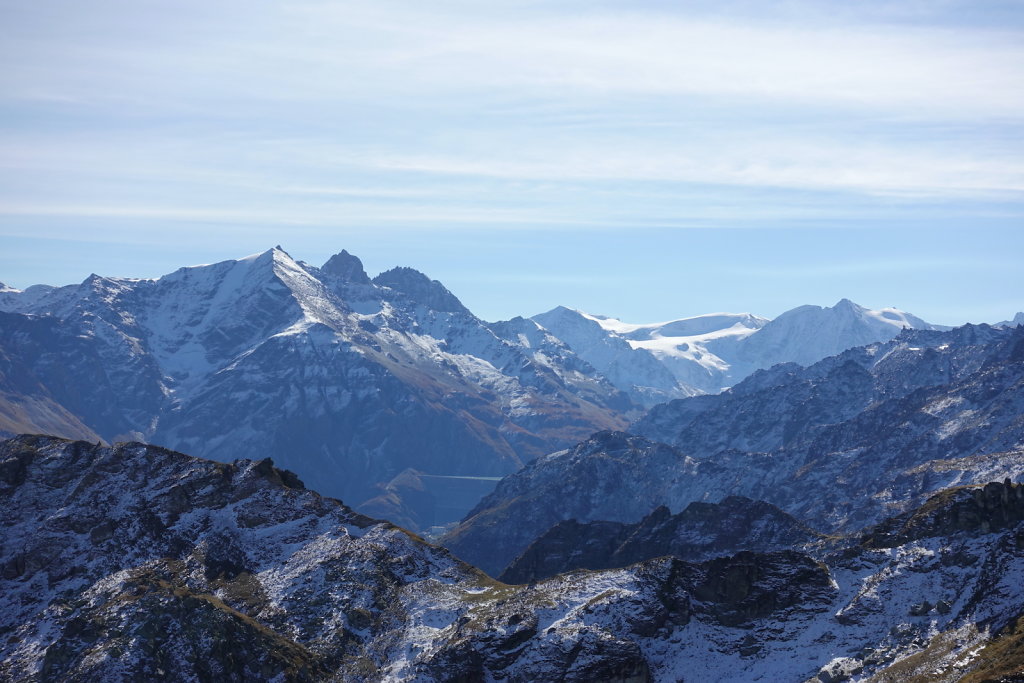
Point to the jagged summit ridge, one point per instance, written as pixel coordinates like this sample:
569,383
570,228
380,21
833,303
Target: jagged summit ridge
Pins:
420,289
700,532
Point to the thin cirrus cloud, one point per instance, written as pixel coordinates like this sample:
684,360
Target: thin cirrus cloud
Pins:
792,164
925,69
162,106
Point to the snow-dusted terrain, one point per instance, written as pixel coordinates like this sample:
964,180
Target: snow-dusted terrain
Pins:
138,563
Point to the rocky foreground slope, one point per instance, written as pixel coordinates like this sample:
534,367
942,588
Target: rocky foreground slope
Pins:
138,563
839,445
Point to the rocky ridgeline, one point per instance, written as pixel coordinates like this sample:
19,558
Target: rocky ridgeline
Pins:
992,507
612,476
139,563
701,531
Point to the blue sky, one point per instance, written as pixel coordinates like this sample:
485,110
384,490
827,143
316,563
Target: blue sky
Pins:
644,160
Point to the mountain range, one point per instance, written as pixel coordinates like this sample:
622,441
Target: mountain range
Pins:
708,353
839,444
715,498
384,391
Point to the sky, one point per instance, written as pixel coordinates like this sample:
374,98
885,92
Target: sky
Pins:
644,160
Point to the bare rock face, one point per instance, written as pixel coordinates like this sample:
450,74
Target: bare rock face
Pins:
745,587
347,268
421,289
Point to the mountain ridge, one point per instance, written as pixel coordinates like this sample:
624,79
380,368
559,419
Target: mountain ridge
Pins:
348,381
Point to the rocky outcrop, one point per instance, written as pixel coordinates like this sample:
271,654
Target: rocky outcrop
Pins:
992,507
420,289
345,267
135,563
612,476
748,586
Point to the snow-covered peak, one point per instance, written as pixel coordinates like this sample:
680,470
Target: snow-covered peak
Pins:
633,370
807,334
198,318
893,317
691,349
11,298
844,309
717,350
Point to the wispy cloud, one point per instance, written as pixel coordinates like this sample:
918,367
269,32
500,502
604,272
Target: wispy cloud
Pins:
928,70
453,112
791,164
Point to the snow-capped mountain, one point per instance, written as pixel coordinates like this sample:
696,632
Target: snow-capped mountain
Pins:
693,349
839,444
138,563
708,353
806,334
347,380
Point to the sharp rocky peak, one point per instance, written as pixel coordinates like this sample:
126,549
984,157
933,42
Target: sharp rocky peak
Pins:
420,289
347,268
